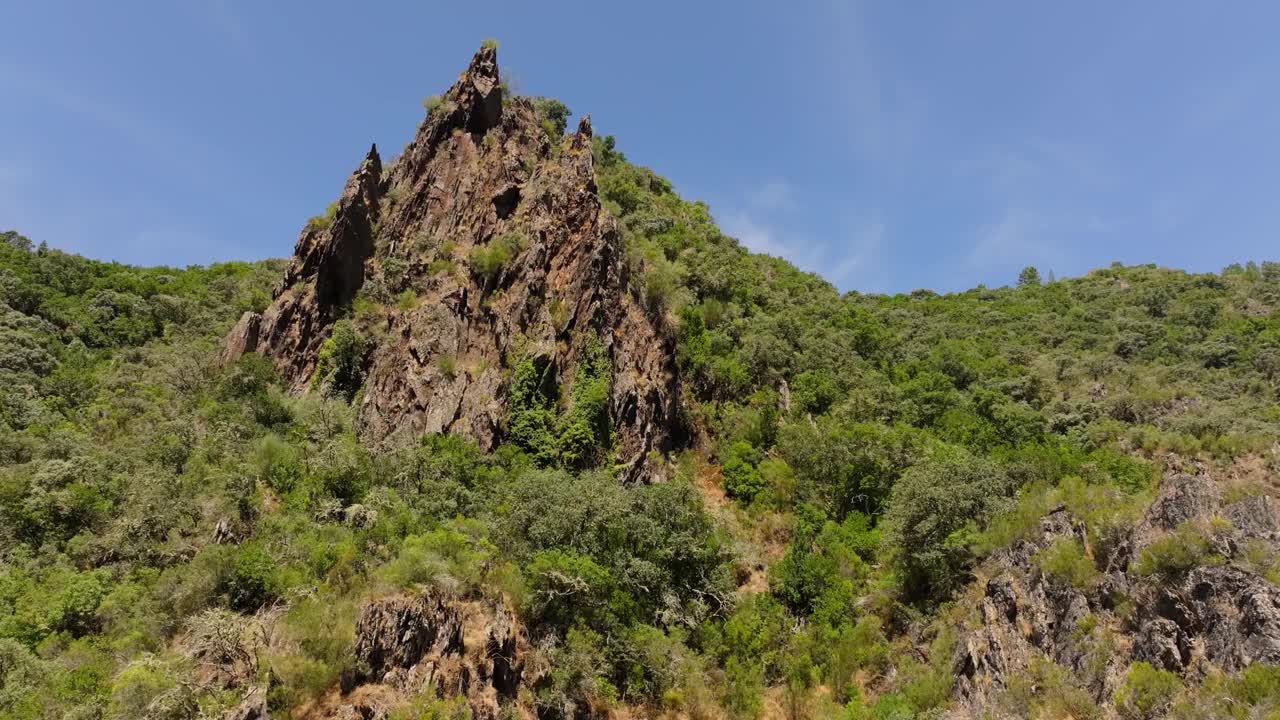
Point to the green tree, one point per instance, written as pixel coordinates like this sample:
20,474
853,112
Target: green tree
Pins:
936,506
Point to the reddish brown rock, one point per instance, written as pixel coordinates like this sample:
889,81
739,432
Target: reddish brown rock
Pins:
326,272
399,631
429,642
444,335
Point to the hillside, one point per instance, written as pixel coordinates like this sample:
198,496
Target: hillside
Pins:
518,432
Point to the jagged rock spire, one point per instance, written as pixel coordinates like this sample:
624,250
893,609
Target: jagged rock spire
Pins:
333,251
324,275
499,240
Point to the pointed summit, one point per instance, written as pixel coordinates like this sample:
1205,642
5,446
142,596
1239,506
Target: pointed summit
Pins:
475,100
324,275
481,250
484,64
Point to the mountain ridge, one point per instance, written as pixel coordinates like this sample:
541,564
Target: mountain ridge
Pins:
518,432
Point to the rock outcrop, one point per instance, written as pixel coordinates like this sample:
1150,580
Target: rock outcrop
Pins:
252,707
485,243
396,633
324,275
1219,614
407,644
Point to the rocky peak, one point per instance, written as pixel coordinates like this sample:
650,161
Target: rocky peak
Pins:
333,254
323,276
482,246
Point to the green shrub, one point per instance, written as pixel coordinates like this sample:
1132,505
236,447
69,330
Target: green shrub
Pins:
489,258
321,222
530,416
585,429
439,266
252,580
434,104
743,688
1256,686
779,482
458,556
566,589
151,688
1146,692
755,633
1066,561
553,114
742,480
578,679
23,676
447,365
1020,522
847,466
428,707
823,569
279,464
644,537
1259,557
932,518
1046,689
856,647
1129,473
340,362
406,301
1171,556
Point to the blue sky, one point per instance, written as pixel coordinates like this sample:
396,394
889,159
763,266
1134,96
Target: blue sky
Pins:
887,146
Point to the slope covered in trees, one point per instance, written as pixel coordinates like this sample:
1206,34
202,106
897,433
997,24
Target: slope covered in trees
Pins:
861,478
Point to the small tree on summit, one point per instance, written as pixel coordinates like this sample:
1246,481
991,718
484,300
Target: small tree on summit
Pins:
1029,276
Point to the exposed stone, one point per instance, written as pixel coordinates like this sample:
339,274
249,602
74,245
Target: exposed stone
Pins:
1253,517
479,171
1163,644
504,653
324,275
398,632
1025,615
405,644
1221,613
243,338
1181,498
1238,613
252,707
222,532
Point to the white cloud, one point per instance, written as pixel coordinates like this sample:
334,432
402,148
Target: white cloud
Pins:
773,195
14,207
1014,238
1045,196
136,127
856,263
173,245
753,233
883,115
221,19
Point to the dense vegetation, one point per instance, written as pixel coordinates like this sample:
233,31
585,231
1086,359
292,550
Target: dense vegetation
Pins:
163,518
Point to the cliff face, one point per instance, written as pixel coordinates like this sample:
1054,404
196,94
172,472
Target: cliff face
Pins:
482,246
1218,615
